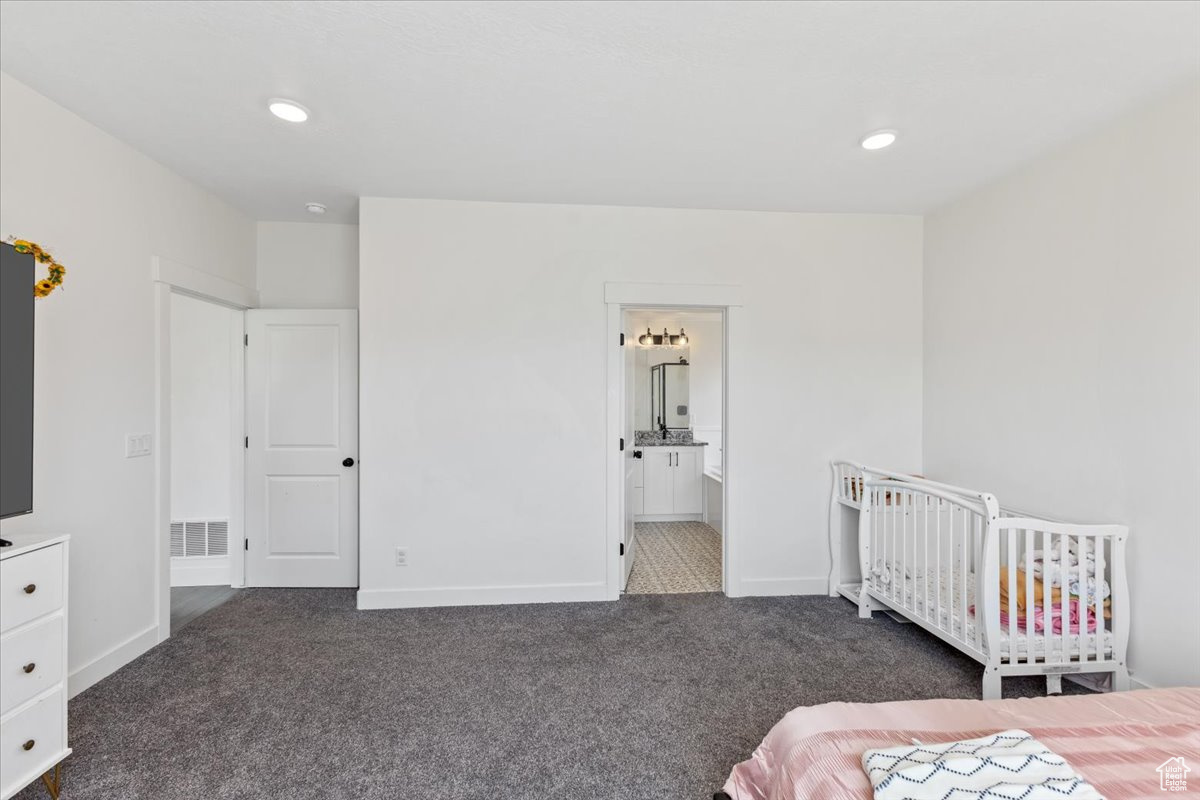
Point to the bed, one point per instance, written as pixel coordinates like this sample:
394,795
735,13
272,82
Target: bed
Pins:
1117,741
1023,595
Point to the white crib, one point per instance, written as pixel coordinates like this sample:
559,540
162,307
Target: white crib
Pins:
952,561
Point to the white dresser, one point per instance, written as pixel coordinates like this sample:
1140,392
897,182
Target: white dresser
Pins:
33,662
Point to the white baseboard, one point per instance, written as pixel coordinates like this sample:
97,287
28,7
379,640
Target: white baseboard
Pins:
778,587
100,668
209,571
668,518
481,595
1140,684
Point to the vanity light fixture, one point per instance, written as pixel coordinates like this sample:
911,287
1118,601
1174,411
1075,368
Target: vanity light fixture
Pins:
649,339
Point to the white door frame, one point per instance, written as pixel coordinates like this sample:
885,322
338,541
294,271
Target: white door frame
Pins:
171,277
727,299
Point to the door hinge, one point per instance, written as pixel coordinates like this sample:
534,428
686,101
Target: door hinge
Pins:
246,542
622,342
247,442
622,447
621,548
246,339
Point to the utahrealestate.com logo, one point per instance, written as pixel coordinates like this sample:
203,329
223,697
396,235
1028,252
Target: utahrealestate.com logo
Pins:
1172,775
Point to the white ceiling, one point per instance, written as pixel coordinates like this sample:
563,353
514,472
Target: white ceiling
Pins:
711,105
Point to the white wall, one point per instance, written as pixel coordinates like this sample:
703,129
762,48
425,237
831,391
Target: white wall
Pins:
500,496
1062,355
201,413
104,210
307,265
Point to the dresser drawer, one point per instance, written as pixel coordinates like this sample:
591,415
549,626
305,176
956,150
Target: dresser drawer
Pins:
41,724
31,662
31,586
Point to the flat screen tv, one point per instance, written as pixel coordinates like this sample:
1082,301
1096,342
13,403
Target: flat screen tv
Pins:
16,382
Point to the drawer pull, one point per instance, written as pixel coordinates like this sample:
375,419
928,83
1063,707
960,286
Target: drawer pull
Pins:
28,745
31,588
28,668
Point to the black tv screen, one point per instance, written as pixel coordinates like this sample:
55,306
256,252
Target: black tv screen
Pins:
16,382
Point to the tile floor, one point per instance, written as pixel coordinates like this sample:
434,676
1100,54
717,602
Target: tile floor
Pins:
675,558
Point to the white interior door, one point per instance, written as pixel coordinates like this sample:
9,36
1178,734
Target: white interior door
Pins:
301,447
629,508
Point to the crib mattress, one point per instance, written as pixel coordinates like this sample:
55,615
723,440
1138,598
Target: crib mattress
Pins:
1016,647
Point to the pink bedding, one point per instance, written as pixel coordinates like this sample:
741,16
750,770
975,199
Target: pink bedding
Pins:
1117,741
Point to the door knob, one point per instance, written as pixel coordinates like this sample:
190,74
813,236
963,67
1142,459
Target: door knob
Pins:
348,462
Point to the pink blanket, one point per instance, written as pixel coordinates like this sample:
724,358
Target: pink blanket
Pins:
1116,741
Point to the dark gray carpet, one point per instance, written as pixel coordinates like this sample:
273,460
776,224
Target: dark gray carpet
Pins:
295,694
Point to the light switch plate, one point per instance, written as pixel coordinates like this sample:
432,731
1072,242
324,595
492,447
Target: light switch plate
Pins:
137,444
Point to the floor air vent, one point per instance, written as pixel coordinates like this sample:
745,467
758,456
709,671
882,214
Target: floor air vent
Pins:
199,538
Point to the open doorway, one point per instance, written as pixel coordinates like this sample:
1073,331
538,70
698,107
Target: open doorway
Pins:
206,387
673,419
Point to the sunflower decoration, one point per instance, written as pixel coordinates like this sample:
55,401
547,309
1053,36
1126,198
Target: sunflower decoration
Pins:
55,270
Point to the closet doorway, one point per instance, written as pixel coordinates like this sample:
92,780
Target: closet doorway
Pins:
668,403
206,398
197,440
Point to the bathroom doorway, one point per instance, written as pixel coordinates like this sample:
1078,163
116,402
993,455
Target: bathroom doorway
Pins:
673,416
677,500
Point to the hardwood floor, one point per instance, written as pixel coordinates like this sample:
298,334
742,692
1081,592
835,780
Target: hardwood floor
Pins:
189,602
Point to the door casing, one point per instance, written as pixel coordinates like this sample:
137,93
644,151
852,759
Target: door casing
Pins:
618,298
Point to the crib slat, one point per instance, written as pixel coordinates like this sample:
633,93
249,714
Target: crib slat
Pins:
1010,560
906,597
962,593
925,599
1080,603
897,574
1100,656
877,552
1047,591
937,556
1064,598
1030,602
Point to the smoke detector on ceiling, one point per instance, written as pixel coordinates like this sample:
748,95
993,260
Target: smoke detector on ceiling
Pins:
315,208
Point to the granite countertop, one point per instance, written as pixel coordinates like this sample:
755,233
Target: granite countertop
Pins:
669,443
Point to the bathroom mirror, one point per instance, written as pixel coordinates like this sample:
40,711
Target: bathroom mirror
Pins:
669,396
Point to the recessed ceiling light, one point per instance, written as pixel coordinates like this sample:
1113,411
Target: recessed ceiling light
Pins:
315,208
288,110
877,140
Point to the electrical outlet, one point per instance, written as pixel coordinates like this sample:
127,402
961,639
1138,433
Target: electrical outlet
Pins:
401,556
137,445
